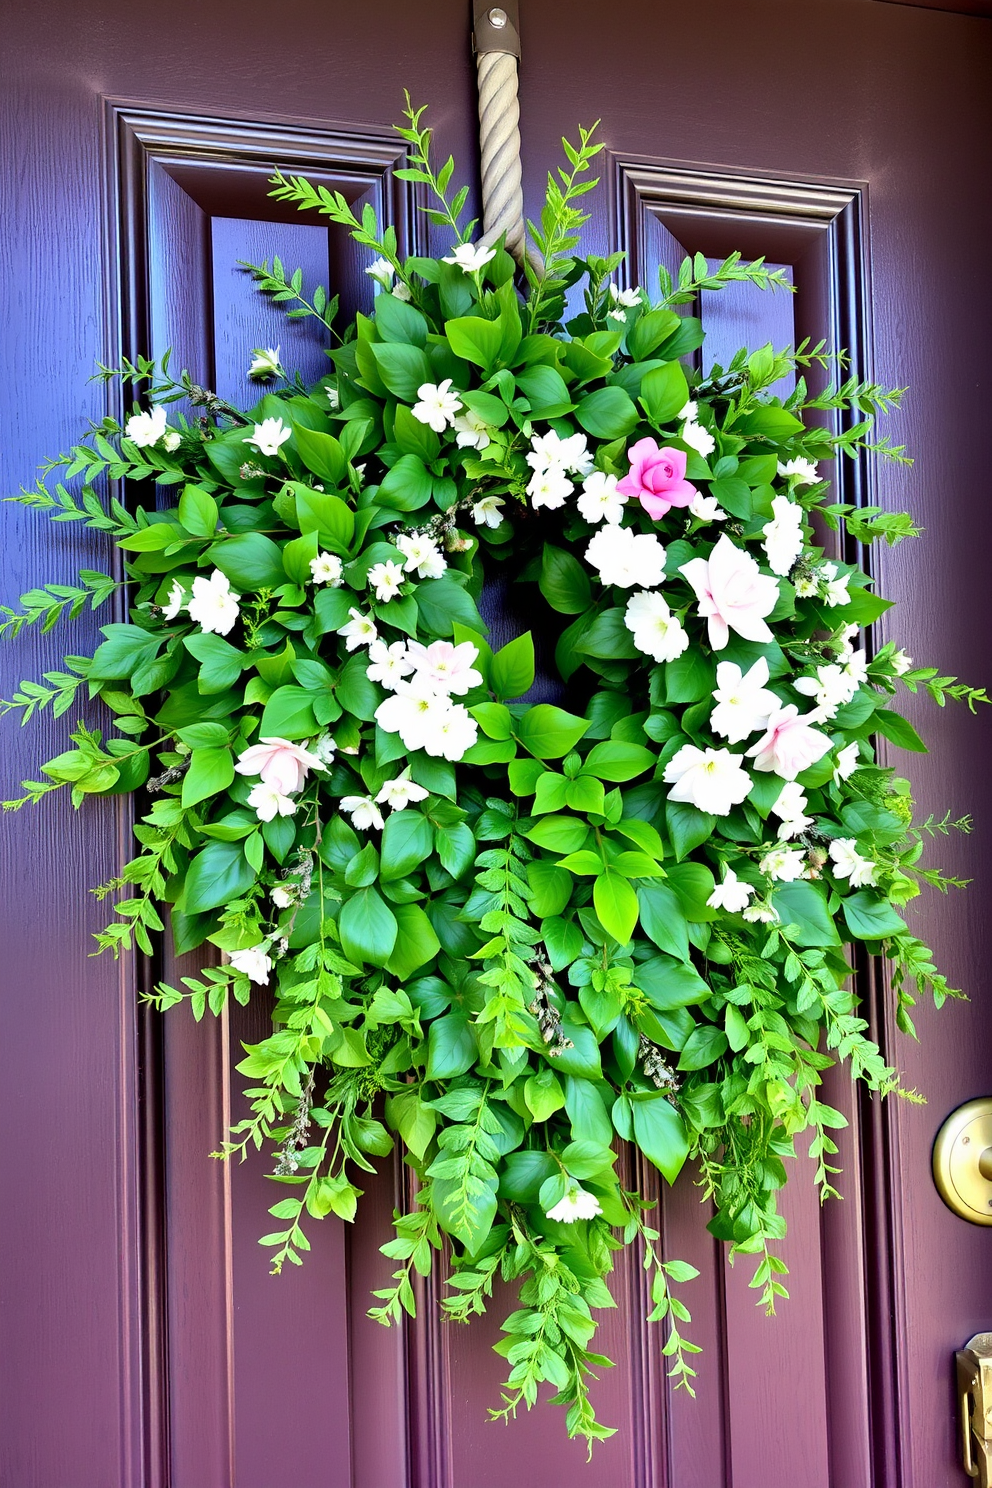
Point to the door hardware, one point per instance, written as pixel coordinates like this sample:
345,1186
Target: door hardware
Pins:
974,1379
962,1161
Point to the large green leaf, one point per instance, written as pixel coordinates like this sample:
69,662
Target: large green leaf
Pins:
663,919
450,1047
402,368
367,927
548,732
564,582
322,454
608,413
664,392
668,983
210,771
659,1133
871,917
416,942
444,601
512,668
407,486
803,905
407,839
289,715
616,905
218,874
475,339
250,560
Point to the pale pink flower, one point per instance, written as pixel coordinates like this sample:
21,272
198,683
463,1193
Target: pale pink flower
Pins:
732,592
280,764
446,668
790,746
657,478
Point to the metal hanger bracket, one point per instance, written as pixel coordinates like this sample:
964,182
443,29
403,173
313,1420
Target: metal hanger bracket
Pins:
497,28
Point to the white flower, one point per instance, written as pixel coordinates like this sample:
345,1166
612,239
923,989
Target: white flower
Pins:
388,664
656,631
488,512
438,405
253,962
471,431
549,487
617,315
570,454
790,744
401,291
171,440
175,602
710,779
363,811
706,508
324,748
848,863
268,436
800,471
358,631
421,554
697,438
900,663
626,558
414,711
732,894
600,498
844,638
743,702
470,257
214,606
732,593
807,584
831,688
283,895
783,535
455,732
832,588
847,761
146,429
689,412
265,363
444,667
577,1204
382,271
628,297
785,864
326,568
790,808
386,579
268,803
855,669
397,794
762,914
333,397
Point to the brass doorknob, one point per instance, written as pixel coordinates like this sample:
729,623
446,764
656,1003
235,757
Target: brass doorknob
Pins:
962,1161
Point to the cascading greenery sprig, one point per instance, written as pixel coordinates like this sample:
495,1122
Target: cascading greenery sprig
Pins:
512,929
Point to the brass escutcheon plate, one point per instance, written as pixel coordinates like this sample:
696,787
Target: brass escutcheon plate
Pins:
962,1150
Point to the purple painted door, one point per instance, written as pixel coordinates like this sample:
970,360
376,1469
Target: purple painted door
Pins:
143,1344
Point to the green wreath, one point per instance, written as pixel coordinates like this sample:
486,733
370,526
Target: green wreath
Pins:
532,927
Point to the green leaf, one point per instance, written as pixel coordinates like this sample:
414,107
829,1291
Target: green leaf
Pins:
322,454
563,939
450,1047
616,761
899,731
297,556
690,678
649,331
413,437
774,424
397,321
659,1133
551,888
608,637
663,919
608,413
402,368
446,1197
218,874
415,1121
705,1045
289,715
668,983
564,582
220,662
592,1130
407,840
803,905
325,513
559,834
475,339
544,1096
456,848
512,669
545,390
616,905
416,942
548,732
356,694
693,883
198,511
664,392
331,608
407,486
126,648
250,560
210,771
687,827
367,928
444,601
871,917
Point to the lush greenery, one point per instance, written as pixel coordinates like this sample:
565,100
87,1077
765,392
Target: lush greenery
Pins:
512,935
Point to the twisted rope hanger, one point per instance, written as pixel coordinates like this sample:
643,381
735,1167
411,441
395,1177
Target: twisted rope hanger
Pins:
497,47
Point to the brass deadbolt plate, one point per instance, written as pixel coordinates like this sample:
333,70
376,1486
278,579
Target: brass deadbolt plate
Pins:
962,1161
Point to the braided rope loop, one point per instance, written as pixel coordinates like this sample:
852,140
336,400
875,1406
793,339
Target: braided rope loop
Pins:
499,138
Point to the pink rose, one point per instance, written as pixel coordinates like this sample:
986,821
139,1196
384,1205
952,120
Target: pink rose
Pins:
280,764
657,478
790,746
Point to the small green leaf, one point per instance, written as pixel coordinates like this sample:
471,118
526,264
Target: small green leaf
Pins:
548,732
616,905
512,669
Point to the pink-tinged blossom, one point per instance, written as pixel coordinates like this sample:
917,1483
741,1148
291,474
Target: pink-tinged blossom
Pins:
280,764
712,780
268,803
253,962
733,593
657,478
790,745
445,667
